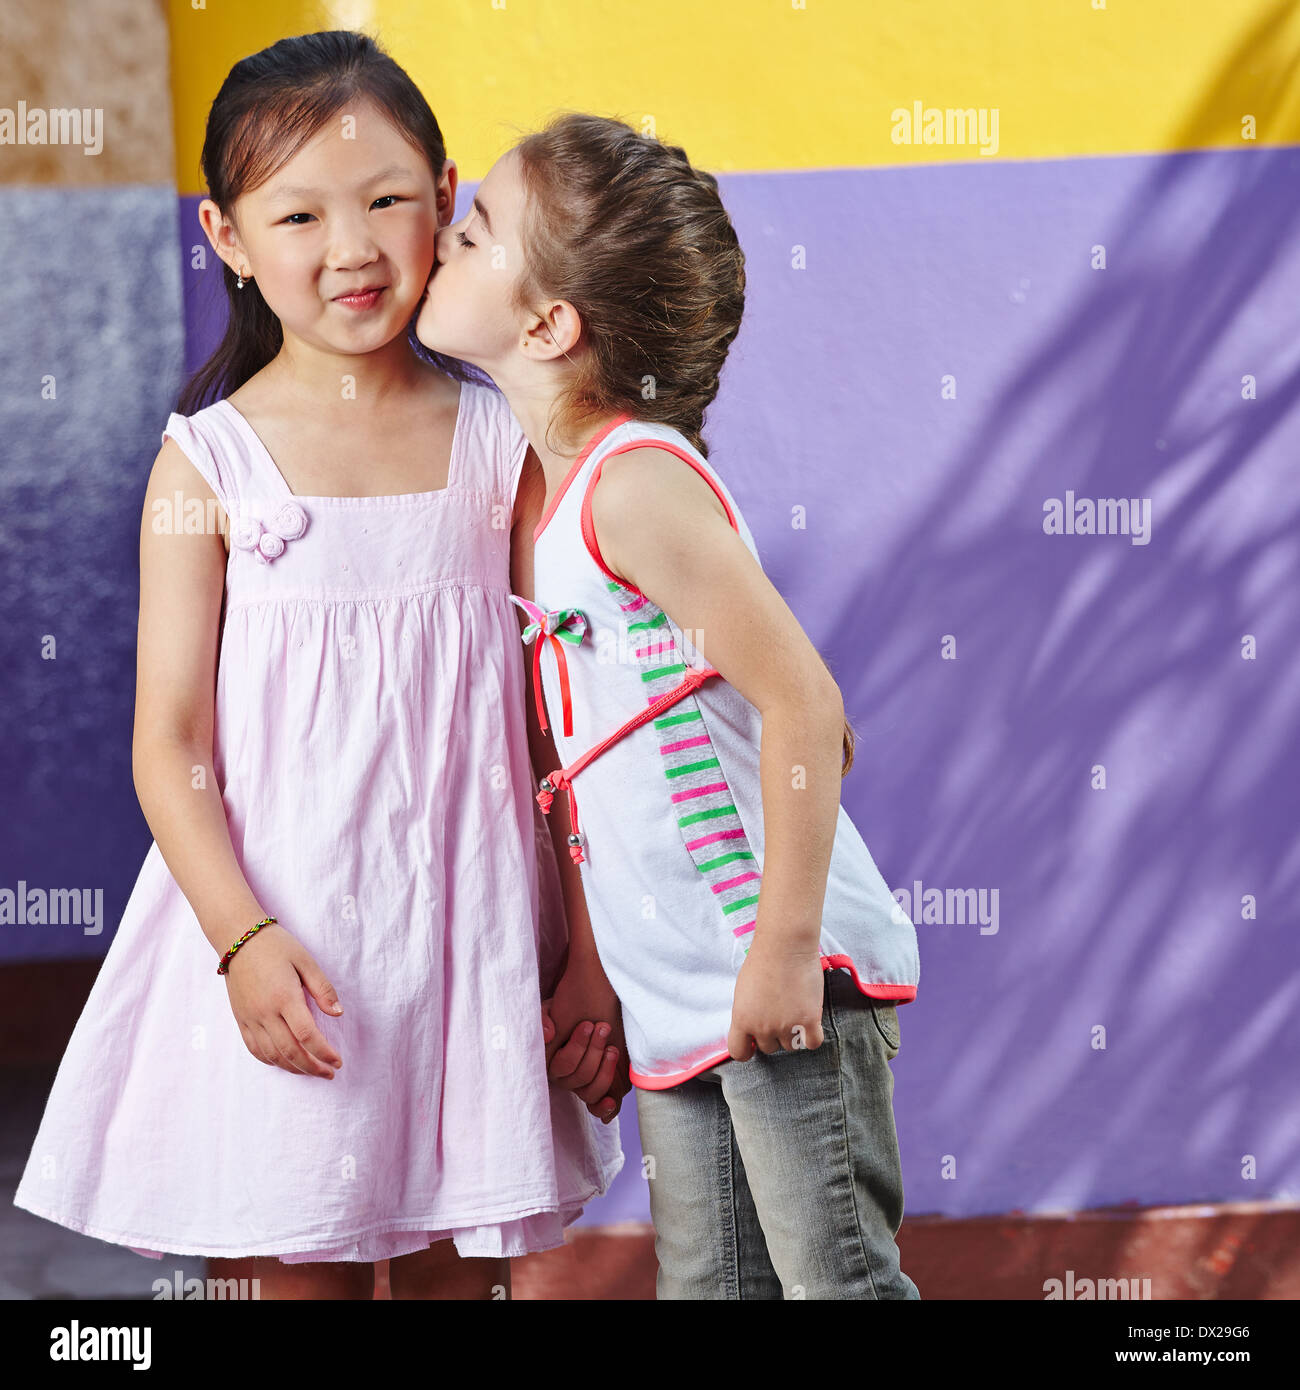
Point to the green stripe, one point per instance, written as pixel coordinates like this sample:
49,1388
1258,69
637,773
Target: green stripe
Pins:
663,671
736,906
654,622
670,719
706,815
690,767
725,859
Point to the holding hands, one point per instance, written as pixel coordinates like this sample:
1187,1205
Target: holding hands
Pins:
586,1053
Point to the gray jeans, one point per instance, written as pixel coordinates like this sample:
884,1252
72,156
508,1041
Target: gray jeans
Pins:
780,1177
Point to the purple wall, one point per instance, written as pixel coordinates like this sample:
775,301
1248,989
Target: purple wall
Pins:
1119,908
107,328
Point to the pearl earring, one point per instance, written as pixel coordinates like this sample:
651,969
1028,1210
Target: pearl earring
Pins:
239,284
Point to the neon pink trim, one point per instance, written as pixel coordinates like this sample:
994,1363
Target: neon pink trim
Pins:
589,526
715,837
732,882
561,779
901,994
699,791
574,469
685,743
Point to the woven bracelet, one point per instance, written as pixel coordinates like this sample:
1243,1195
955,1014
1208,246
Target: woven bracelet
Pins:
252,931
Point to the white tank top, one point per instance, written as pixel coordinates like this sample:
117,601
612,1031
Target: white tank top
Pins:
670,814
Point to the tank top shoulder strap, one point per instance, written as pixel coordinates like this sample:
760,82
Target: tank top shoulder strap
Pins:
640,434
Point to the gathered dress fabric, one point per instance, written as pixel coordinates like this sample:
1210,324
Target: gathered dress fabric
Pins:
372,758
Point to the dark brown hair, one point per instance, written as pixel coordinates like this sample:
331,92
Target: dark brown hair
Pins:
269,106
624,228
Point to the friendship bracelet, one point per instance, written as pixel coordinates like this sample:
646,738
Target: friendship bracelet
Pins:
224,967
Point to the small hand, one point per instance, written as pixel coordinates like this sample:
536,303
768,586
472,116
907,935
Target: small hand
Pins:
583,995
268,982
777,1002
586,1064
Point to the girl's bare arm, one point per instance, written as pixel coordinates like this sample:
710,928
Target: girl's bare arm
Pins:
541,746
578,1060
661,527
182,578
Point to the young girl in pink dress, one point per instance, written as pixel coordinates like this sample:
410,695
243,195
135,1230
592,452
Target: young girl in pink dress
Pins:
315,1040
754,945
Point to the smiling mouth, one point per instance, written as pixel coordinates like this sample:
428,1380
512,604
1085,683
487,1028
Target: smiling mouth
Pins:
362,299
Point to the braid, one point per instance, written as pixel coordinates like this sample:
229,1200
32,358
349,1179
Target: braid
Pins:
623,228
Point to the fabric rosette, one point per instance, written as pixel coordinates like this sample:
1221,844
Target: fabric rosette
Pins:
267,542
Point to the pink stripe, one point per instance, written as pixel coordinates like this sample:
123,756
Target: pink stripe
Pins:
740,931
699,791
685,743
650,651
638,602
731,882
715,837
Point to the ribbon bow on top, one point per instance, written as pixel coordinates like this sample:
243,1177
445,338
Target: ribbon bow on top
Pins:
560,625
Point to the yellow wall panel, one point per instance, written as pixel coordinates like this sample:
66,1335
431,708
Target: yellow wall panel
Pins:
788,84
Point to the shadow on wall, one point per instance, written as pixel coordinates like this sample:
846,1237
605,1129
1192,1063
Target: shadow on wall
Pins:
1120,908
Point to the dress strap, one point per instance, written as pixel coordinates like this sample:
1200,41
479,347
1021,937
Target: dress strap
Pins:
264,513
258,480
489,448
195,446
